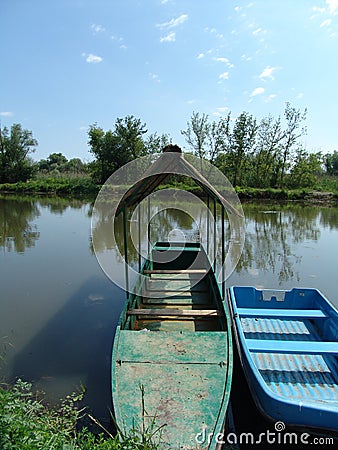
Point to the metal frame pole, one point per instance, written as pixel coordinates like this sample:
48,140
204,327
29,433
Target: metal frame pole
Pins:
125,243
208,225
223,255
139,237
148,225
215,229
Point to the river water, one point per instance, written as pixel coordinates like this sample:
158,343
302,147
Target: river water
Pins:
59,310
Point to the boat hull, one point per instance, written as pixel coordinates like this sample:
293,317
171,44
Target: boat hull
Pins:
172,354
288,349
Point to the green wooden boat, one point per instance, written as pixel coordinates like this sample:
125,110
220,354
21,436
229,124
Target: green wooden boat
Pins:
172,356
172,353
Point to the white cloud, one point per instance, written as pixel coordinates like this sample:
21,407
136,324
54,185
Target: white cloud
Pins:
258,31
224,76
333,6
318,9
200,55
92,59
267,72
155,77
226,61
6,114
271,97
171,37
326,23
97,28
173,22
220,111
257,91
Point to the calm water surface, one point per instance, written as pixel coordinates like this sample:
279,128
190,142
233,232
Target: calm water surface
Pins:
58,310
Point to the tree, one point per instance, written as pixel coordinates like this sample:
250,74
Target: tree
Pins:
331,163
113,149
15,146
242,141
154,143
218,136
267,153
197,134
306,169
293,132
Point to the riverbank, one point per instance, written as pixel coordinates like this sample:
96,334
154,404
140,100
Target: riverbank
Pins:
27,423
84,187
73,187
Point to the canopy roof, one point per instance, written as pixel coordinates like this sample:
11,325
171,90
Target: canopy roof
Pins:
171,161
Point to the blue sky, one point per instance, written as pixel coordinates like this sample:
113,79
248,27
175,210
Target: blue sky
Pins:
69,63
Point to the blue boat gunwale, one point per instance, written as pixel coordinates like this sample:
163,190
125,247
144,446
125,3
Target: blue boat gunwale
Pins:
254,378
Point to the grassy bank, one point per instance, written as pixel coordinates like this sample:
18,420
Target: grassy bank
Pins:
84,187
27,424
79,186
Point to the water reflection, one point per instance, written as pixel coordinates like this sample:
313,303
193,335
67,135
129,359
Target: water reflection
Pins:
274,234
17,230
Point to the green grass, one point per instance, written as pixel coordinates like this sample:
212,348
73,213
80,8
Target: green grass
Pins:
83,186
58,185
27,424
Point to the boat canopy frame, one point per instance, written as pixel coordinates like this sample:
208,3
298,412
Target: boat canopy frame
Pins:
172,161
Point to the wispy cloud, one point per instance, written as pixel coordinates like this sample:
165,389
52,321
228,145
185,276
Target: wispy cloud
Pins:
226,61
97,28
214,32
271,97
326,23
220,111
200,55
267,73
318,9
154,77
224,76
173,22
92,59
171,37
259,31
257,91
333,6
6,114
246,57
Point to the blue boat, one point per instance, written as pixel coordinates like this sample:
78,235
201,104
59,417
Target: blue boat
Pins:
287,342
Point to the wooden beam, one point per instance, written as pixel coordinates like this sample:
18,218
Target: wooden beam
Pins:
175,312
178,271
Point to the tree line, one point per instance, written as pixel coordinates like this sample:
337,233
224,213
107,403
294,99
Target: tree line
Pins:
251,153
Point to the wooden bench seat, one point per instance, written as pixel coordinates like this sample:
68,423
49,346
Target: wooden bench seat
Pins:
175,271
171,312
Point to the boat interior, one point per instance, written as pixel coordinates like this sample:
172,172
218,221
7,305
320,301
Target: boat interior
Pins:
177,292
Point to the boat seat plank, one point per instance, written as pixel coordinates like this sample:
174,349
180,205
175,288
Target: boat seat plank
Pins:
299,313
175,312
305,347
175,271
177,248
